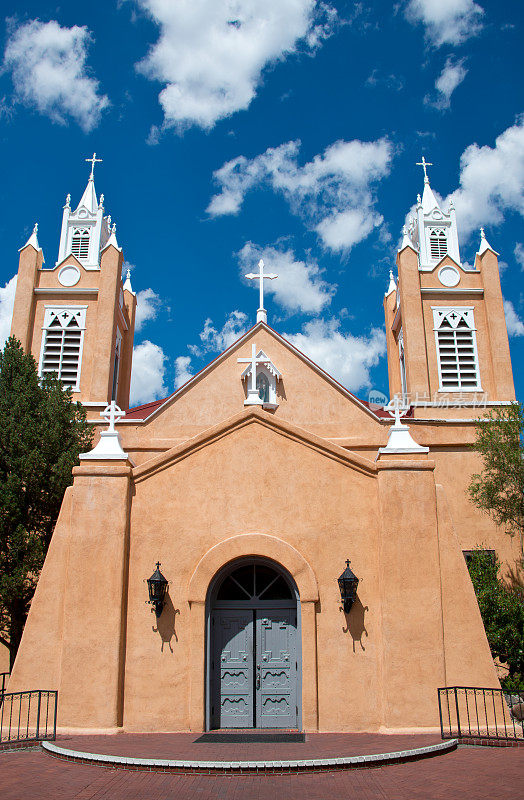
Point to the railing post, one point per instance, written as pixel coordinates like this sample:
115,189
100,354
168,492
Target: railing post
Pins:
38,715
56,710
440,715
458,714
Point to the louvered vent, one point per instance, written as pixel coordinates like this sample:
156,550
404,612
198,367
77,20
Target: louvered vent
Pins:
80,243
61,353
457,357
438,244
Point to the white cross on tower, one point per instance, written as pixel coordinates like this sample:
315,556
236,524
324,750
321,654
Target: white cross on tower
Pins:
253,397
397,408
112,414
94,160
259,276
424,164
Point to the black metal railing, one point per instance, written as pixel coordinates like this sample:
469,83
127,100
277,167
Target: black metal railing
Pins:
28,716
467,712
4,677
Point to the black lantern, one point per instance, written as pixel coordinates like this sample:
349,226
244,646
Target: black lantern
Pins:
348,583
157,587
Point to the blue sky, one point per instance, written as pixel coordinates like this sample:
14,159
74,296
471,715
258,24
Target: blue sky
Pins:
283,128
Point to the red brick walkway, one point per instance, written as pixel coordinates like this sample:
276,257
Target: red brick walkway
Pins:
471,773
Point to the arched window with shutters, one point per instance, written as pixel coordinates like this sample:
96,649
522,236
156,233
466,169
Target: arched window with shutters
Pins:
80,243
438,243
62,343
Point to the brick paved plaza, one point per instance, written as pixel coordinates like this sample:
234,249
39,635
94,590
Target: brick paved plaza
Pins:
475,773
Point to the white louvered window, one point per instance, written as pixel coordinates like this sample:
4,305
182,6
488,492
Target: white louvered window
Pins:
62,341
80,243
456,343
438,244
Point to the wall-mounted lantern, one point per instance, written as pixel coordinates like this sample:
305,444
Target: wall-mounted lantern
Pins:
348,583
157,587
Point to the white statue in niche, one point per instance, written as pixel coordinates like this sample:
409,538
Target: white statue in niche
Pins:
263,387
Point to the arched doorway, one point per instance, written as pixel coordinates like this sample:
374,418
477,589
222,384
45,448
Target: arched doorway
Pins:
254,647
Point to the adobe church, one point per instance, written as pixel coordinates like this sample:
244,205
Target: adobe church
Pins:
252,485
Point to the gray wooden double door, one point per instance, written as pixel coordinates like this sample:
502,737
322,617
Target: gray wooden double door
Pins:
254,668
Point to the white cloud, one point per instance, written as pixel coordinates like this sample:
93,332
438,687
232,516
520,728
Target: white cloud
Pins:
491,181
451,76
49,71
147,373
334,193
514,324
446,21
519,254
147,305
299,286
7,301
214,340
210,55
346,357
183,371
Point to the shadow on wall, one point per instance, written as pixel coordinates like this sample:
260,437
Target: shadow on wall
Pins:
165,625
355,623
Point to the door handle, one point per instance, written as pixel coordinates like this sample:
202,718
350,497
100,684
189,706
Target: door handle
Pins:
258,676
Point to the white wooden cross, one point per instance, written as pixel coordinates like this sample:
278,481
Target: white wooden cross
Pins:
112,414
94,160
397,408
260,276
424,164
253,397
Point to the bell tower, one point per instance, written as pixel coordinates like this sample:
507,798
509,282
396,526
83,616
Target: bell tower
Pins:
77,318
445,325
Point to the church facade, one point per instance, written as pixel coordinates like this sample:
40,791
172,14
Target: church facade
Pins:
252,485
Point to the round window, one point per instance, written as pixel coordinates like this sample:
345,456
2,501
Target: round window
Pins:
69,276
448,276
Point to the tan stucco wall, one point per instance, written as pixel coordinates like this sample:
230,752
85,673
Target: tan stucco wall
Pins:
377,668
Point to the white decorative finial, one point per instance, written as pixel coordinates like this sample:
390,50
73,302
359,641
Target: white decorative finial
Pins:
113,228
419,199
108,221
94,160
400,439
109,447
127,283
35,228
101,203
392,285
112,413
424,164
260,276
68,201
484,244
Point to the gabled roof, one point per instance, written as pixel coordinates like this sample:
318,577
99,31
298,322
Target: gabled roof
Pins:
148,410
249,416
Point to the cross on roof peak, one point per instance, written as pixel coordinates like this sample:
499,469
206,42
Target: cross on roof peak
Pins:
260,276
93,160
424,164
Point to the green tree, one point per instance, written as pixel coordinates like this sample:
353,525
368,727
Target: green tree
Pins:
42,432
499,488
502,611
